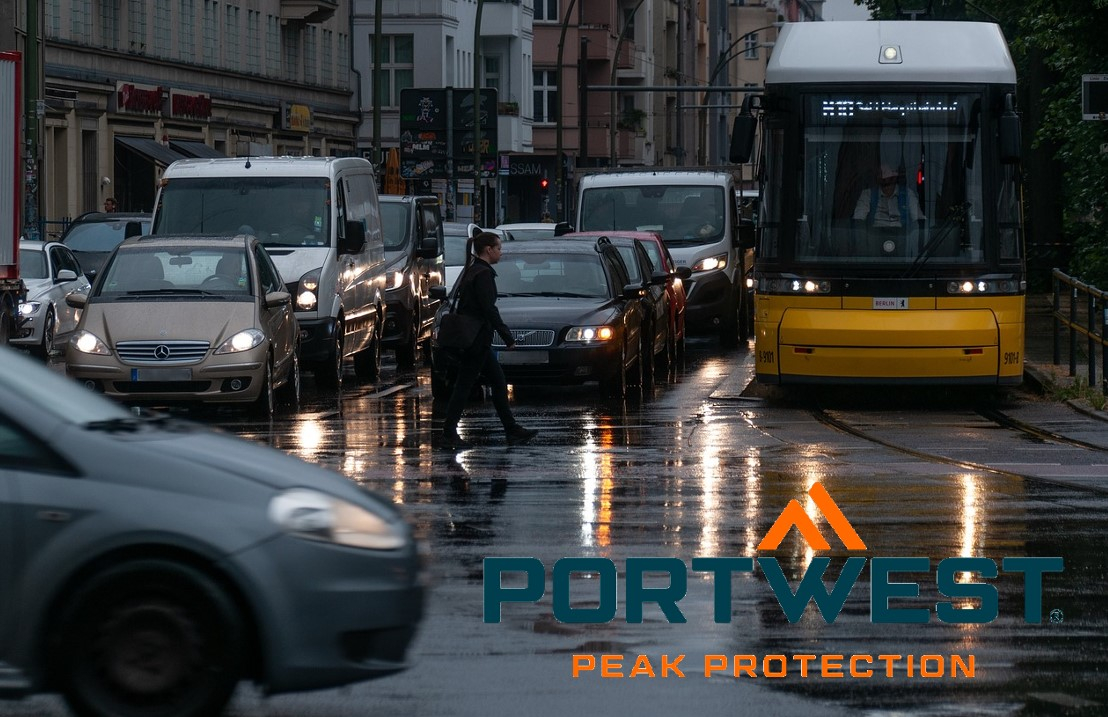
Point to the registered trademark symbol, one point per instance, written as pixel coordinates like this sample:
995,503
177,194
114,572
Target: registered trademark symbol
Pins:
1056,616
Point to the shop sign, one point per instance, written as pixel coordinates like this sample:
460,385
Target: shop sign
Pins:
133,97
190,104
298,118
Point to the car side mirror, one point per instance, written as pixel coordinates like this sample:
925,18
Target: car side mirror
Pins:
428,248
659,278
438,292
76,300
683,272
632,291
65,275
274,299
354,241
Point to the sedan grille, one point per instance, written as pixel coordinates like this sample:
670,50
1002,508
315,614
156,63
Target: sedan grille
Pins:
528,337
162,353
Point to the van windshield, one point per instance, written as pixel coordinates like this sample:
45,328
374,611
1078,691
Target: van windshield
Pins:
280,211
684,214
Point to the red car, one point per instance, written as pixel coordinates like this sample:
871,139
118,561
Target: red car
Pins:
656,248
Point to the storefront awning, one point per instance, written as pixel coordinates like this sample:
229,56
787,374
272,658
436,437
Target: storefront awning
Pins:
154,151
195,149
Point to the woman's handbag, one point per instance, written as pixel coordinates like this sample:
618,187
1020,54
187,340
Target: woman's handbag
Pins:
456,330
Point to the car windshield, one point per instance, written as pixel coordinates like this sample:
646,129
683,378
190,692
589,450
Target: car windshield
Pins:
215,270
32,264
572,275
64,398
395,221
280,211
103,236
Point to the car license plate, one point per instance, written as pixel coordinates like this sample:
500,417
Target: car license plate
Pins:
161,374
523,357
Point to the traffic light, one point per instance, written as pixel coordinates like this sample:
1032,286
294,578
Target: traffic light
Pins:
544,184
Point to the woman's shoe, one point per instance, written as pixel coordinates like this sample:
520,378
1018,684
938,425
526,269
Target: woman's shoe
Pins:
517,434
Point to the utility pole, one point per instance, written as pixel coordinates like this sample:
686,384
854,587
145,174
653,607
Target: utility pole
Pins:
583,103
375,100
477,115
32,94
559,172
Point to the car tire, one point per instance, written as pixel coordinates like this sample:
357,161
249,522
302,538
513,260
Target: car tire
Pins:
266,401
668,360
149,637
646,362
7,321
367,362
328,373
289,393
406,354
615,386
49,323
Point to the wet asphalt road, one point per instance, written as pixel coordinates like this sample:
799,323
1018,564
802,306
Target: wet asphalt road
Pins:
702,467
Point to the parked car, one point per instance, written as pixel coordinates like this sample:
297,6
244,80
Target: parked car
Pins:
94,235
663,261
535,230
50,273
455,235
574,312
412,229
189,318
150,564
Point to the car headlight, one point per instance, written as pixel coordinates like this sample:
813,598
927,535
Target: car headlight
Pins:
29,308
318,516
711,263
242,341
89,343
396,280
587,334
307,292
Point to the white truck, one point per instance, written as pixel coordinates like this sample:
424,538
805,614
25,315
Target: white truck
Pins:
696,214
12,289
320,220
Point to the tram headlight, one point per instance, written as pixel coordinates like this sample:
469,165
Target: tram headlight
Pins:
967,287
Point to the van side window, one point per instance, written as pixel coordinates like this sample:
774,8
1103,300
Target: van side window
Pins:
340,209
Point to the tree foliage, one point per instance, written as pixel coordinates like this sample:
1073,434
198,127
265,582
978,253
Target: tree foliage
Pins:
1063,39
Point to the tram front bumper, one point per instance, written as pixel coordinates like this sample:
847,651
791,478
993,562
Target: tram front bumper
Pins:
875,346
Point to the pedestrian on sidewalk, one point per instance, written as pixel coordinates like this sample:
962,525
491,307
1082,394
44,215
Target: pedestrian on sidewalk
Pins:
477,297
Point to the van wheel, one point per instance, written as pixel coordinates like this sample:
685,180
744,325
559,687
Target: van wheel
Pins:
406,354
149,637
328,373
367,362
729,323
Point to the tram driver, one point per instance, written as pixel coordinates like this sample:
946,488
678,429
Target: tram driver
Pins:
887,218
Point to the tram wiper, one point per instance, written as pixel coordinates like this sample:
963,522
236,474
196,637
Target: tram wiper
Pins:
955,220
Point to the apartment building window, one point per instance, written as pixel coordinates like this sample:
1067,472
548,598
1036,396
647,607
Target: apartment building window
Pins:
546,96
492,75
211,32
327,74
290,43
397,67
253,38
186,38
751,46
136,25
231,33
343,60
311,42
79,25
547,10
109,24
53,19
162,24
272,45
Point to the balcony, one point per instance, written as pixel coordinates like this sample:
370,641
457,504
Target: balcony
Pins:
501,19
600,39
308,12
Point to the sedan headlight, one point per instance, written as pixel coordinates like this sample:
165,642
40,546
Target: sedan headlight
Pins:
29,308
711,263
242,341
588,334
318,516
89,343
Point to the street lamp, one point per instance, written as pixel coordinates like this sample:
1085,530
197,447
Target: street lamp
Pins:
477,115
725,58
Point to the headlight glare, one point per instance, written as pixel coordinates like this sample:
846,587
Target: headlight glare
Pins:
242,341
307,292
589,334
29,308
396,280
89,343
711,263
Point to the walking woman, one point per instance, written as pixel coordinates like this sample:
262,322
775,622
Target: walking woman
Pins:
477,297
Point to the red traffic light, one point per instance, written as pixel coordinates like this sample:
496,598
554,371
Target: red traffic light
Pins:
544,183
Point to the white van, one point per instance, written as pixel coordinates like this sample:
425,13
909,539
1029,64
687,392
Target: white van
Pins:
319,219
697,216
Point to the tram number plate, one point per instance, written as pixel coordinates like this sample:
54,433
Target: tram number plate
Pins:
890,303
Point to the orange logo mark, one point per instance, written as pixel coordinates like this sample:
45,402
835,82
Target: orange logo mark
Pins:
794,515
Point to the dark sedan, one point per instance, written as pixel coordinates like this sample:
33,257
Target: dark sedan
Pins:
92,237
575,315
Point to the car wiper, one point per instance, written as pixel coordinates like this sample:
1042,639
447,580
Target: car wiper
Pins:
174,290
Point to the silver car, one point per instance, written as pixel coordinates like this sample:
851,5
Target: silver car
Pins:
51,273
148,564
189,318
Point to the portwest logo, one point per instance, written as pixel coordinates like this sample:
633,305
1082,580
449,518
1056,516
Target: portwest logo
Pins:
962,580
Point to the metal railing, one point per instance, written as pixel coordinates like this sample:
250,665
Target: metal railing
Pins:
1086,313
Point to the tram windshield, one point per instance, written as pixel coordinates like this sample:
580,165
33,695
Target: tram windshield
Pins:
889,178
